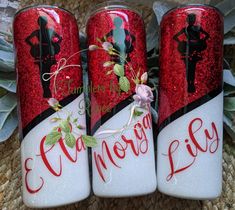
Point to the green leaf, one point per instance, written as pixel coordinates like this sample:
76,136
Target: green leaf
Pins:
229,22
9,126
5,46
137,113
229,103
230,115
153,33
7,104
53,137
2,92
227,8
9,85
124,84
65,126
6,61
55,119
89,141
228,89
70,140
56,128
118,70
80,127
75,120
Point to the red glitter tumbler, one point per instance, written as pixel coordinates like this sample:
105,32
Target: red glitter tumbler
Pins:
120,102
48,69
189,157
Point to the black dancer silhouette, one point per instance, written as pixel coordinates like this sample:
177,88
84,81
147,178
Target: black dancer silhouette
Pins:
122,41
191,48
44,51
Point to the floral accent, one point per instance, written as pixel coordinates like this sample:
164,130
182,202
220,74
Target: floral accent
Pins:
143,95
107,46
66,128
118,67
144,78
53,102
93,47
137,113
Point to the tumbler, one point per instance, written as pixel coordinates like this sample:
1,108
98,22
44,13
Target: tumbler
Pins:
51,113
123,161
190,127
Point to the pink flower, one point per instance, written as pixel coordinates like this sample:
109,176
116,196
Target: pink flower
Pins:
107,46
144,77
55,39
143,95
53,102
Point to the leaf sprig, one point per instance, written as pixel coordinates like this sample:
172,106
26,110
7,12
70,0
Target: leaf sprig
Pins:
118,68
65,129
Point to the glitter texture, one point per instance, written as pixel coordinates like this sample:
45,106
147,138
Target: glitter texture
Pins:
99,25
30,92
174,92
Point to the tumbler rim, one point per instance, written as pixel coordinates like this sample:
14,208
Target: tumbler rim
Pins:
191,5
41,6
110,5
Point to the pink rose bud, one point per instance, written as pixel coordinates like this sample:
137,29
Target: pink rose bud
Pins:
143,95
107,46
53,102
144,77
93,47
55,39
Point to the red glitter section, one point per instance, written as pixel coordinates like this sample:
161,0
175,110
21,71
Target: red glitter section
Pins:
173,84
98,26
30,92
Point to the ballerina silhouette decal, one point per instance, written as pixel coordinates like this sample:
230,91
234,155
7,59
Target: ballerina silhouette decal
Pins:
191,48
45,44
122,41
